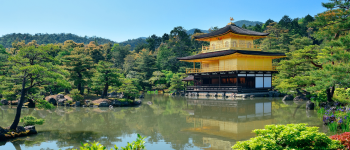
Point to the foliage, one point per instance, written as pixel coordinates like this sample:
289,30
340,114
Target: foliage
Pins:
176,82
79,66
139,144
43,104
76,96
119,53
291,136
7,40
128,88
31,120
342,95
106,75
344,138
68,102
33,67
158,81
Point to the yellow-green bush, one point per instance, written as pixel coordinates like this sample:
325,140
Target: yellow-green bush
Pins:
342,95
139,144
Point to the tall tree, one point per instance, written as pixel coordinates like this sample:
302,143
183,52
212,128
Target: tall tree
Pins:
165,37
34,67
153,42
334,22
267,23
106,75
315,69
119,53
285,22
79,67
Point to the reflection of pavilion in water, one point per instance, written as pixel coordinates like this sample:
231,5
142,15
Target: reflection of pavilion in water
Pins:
233,120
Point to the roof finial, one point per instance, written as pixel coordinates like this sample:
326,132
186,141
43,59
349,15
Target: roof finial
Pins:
231,23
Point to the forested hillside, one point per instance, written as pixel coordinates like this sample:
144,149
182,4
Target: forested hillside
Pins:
8,39
240,23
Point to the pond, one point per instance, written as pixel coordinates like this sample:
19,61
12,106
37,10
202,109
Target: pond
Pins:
176,123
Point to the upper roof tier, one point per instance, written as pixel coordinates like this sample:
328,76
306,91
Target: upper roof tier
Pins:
230,52
231,28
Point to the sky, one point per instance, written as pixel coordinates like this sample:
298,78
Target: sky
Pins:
120,20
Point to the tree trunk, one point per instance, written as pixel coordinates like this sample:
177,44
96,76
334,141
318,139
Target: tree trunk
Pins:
330,93
66,91
19,106
79,86
105,89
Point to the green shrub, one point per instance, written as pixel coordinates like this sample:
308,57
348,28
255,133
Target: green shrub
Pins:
68,102
342,95
31,120
43,104
75,94
291,136
139,144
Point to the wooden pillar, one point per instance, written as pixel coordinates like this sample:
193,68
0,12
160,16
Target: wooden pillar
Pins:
237,81
194,65
219,80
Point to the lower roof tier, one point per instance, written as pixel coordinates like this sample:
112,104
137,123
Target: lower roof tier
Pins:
196,58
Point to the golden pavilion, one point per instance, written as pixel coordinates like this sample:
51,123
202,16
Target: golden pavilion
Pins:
231,63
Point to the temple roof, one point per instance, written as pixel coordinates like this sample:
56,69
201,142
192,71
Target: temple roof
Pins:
233,28
229,52
188,78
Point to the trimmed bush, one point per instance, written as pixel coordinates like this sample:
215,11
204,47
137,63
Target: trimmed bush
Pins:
291,136
31,120
139,144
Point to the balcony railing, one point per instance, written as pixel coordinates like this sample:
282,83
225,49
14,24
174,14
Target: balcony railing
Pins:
231,68
230,45
213,88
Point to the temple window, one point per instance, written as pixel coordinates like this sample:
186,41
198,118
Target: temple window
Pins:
213,46
241,43
226,44
249,45
234,44
215,81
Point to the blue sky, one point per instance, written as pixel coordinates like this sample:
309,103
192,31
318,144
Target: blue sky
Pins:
120,20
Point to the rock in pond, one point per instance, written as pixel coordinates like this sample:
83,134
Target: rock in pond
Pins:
52,101
149,103
288,98
137,102
31,129
60,96
4,102
277,94
300,98
20,129
2,130
116,103
60,102
2,137
103,104
310,105
77,104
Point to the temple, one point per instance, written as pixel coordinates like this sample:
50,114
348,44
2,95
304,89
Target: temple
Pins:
231,63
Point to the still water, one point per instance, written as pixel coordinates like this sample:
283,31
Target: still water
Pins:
176,123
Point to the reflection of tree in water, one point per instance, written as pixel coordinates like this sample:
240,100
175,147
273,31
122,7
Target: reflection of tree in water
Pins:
294,113
69,126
